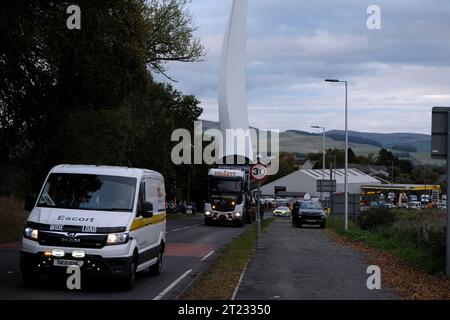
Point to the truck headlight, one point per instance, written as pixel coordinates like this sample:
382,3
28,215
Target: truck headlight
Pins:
117,238
208,213
30,233
237,214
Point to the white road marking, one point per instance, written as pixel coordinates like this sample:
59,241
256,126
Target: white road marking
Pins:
238,284
184,228
172,285
208,255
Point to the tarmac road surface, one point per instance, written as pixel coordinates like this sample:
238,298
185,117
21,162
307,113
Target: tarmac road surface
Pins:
190,247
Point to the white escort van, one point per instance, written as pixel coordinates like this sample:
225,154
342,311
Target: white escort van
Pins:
105,220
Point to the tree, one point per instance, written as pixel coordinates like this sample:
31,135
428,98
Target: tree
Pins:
170,37
351,156
384,157
87,96
287,166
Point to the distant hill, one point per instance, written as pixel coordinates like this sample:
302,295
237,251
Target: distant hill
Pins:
414,146
421,142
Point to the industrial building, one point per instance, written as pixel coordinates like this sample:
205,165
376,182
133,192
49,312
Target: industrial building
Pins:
305,181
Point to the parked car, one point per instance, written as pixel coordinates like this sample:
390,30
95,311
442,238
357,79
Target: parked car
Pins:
282,212
310,212
172,208
442,205
415,205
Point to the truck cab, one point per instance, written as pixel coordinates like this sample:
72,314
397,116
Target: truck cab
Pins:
228,199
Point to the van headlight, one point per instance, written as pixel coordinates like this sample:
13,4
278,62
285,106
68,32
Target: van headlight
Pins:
117,238
30,233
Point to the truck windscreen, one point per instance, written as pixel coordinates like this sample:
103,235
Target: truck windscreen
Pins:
88,192
225,186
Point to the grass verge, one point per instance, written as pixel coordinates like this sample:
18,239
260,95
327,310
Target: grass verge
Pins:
408,266
421,249
12,219
222,276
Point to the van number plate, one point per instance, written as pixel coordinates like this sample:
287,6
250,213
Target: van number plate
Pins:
67,263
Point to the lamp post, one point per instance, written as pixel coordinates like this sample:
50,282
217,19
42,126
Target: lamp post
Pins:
392,171
331,183
323,156
346,149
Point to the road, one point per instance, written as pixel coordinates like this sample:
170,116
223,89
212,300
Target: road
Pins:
190,246
306,264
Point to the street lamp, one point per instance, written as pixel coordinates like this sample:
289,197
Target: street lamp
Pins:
323,156
331,183
392,171
346,148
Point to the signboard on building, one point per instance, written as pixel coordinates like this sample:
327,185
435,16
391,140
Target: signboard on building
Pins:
326,185
278,189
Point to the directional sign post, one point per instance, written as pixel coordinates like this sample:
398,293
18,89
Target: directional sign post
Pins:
258,173
440,149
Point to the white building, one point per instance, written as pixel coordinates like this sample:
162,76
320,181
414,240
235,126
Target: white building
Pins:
305,181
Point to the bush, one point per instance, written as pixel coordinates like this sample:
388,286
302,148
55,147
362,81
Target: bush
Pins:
426,228
376,217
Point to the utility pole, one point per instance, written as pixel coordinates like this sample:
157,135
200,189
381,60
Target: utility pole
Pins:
440,141
324,151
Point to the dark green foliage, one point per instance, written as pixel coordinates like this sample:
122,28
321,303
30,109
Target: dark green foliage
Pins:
376,217
88,96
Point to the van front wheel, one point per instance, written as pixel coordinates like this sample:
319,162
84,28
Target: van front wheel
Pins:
130,279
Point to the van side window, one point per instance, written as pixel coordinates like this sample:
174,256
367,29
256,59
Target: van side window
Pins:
150,193
155,194
141,198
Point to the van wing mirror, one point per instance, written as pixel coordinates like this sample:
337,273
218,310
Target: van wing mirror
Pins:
146,210
30,200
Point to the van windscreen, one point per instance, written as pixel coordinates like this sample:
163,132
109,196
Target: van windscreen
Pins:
88,192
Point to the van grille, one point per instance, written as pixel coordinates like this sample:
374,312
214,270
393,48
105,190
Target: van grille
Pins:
94,241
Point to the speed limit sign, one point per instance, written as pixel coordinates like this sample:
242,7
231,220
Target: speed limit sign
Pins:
258,172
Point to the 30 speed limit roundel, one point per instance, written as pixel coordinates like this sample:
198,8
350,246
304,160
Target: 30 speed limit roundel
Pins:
258,171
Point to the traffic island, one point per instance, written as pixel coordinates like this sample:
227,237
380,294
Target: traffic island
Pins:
219,281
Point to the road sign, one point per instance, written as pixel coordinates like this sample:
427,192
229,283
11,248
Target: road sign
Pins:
258,172
439,132
440,149
326,185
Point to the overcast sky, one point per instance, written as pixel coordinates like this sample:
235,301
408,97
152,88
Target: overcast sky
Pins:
396,75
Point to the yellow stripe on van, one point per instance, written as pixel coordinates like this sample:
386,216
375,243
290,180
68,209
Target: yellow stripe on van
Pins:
142,222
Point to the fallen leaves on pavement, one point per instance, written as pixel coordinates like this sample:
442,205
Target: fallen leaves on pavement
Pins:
402,278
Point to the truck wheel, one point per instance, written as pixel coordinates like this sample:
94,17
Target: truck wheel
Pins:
322,225
30,279
240,223
155,270
208,222
298,224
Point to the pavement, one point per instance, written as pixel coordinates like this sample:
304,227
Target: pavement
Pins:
190,248
305,264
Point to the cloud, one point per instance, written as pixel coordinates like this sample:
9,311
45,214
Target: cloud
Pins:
396,75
